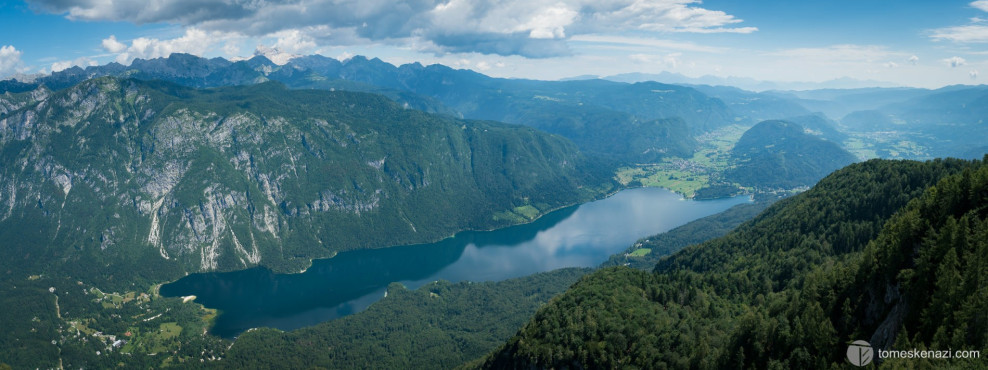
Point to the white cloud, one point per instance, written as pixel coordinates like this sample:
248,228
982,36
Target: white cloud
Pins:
10,61
668,15
66,64
549,23
913,60
981,4
954,62
232,50
113,46
975,32
531,28
194,41
973,74
964,34
294,41
891,64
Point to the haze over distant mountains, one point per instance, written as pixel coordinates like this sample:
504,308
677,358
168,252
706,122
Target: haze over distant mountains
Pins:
638,122
739,82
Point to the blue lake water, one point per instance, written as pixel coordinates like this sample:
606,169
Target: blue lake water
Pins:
578,236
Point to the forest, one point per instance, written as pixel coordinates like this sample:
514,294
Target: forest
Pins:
891,252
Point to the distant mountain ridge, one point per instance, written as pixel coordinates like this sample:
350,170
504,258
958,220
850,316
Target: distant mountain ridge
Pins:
746,83
565,108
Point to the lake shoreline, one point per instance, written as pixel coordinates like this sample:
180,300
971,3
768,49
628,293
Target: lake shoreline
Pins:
582,235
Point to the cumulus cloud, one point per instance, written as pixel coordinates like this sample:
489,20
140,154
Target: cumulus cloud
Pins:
194,41
294,41
891,64
531,28
66,64
955,62
973,74
913,60
112,45
10,61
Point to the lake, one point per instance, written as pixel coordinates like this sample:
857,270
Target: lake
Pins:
578,236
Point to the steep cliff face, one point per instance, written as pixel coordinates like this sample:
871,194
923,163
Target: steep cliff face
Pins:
123,178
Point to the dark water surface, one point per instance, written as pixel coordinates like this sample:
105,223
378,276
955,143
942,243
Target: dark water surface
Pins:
578,236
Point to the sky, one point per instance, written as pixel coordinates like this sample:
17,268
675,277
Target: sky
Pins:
918,43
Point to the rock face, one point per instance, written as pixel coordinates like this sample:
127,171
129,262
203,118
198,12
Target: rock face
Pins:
128,178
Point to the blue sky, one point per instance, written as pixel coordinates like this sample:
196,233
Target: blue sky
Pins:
909,43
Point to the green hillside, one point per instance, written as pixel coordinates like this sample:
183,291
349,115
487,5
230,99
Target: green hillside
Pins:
890,252
779,154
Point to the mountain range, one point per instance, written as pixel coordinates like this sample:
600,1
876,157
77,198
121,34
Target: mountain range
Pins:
597,115
593,113
123,177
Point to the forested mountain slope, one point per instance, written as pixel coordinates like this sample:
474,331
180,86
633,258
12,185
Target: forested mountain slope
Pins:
780,154
117,179
891,252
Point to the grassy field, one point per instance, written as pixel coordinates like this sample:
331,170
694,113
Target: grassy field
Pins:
170,330
518,215
640,252
527,211
687,175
